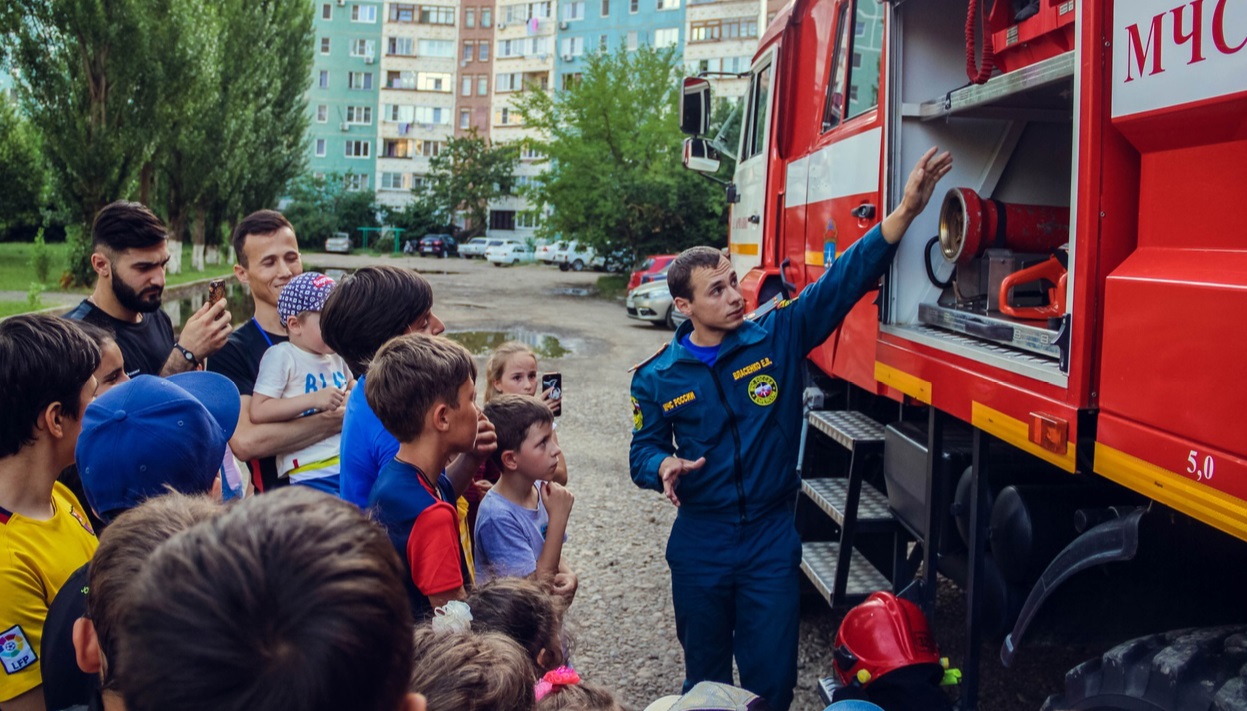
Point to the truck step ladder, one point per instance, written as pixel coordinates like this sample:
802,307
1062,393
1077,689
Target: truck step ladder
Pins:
841,573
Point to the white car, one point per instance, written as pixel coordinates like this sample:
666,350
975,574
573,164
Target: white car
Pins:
574,256
511,253
547,251
474,247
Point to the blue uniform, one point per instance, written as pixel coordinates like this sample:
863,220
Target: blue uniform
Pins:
734,551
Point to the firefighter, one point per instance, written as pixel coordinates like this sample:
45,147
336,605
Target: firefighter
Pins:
716,416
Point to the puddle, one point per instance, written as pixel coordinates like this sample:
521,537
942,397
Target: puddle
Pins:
484,342
572,291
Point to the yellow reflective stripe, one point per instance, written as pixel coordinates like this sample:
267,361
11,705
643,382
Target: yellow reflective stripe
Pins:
747,249
1017,433
815,259
313,466
911,385
1204,503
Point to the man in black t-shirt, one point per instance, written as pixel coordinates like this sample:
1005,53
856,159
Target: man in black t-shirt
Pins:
268,257
129,254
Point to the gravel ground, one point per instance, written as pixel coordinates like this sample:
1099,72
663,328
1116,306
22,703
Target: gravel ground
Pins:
622,619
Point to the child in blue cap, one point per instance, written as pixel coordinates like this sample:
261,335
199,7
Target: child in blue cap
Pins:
301,377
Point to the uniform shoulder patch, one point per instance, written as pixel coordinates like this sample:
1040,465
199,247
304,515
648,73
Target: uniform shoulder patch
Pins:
647,361
15,651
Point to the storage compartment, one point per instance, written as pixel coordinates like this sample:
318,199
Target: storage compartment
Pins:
905,473
987,269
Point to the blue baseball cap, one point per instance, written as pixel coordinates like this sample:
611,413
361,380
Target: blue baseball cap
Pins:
150,434
306,292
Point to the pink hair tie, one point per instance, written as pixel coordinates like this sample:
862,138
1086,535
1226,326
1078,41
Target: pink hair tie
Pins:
554,680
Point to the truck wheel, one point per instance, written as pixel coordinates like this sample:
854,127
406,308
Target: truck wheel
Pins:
1184,670
578,265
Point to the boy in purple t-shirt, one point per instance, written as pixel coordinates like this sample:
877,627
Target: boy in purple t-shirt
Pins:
522,521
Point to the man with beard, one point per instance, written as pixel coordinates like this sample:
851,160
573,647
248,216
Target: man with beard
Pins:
129,254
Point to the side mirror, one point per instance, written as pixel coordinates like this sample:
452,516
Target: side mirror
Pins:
695,107
700,156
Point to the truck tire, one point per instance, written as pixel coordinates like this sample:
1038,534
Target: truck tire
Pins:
1184,670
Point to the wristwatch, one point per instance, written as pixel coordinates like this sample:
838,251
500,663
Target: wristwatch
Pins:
190,357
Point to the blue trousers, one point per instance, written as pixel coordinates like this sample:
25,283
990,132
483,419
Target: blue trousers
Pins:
735,590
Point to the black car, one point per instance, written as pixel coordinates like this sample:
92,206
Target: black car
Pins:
441,245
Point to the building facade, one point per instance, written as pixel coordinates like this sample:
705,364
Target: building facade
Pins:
476,68
587,26
722,36
342,98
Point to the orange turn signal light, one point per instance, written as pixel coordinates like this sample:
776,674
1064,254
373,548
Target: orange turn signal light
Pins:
1049,432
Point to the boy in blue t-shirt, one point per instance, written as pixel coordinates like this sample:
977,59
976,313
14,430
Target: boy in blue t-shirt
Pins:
522,521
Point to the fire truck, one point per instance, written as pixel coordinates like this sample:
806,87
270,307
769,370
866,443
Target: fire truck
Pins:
1042,400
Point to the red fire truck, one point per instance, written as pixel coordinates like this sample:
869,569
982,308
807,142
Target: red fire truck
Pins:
1040,402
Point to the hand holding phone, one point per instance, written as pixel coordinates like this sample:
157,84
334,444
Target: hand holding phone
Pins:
216,290
552,391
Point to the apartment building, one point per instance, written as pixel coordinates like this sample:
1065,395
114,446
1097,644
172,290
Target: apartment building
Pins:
586,26
342,99
722,36
476,62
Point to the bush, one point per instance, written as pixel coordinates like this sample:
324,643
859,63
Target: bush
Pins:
41,258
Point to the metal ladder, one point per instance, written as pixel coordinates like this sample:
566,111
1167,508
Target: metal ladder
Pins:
837,569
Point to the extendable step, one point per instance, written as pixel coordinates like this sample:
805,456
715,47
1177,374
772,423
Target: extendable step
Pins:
850,429
830,495
818,562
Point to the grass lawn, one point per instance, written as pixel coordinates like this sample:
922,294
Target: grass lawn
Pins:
16,273
613,286
13,308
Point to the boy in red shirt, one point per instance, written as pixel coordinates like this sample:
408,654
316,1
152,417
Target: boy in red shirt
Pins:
423,389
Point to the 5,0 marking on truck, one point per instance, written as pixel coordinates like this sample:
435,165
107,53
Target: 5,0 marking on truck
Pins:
1192,466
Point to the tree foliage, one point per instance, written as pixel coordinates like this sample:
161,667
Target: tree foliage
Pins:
615,178
22,172
320,207
468,173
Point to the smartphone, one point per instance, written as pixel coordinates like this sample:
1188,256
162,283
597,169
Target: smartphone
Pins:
216,290
554,383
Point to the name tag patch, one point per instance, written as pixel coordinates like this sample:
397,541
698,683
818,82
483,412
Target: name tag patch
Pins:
676,403
15,651
751,369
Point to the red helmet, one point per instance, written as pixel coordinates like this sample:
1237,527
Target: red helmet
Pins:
883,634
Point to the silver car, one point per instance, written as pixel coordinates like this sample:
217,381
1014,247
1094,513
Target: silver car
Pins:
652,302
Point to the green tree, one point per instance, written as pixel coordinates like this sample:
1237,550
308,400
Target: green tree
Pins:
321,206
22,171
89,74
615,178
468,173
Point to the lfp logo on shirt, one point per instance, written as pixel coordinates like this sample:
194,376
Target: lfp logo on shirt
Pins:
15,651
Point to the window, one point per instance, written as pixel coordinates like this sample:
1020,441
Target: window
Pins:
428,149
668,4
432,115
322,113
433,81
634,6
759,108
360,81
867,53
528,152
740,28
603,42
527,11
396,148
482,85
486,17
363,13
465,86
527,219
324,45
527,47
392,181
359,149
402,12
505,117
483,51
502,219
398,113
402,46
469,17
573,46
320,148
418,182
465,118
361,48
705,31
326,12
508,82
437,15
436,48
569,80
833,109
574,10
667,37
359,115
469,51
323,82
633,38
606,8
356,181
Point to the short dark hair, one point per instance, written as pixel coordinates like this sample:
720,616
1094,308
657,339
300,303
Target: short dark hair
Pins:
260,222
99,333
124,548
524,611
465,671
123,225
680,273
293,600
410,375
43,359
370,307
512,416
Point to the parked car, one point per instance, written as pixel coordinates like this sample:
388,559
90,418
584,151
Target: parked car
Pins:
613,262
441,245
509,253
654,268
573,256
474,247
340,242
652,302
547,251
